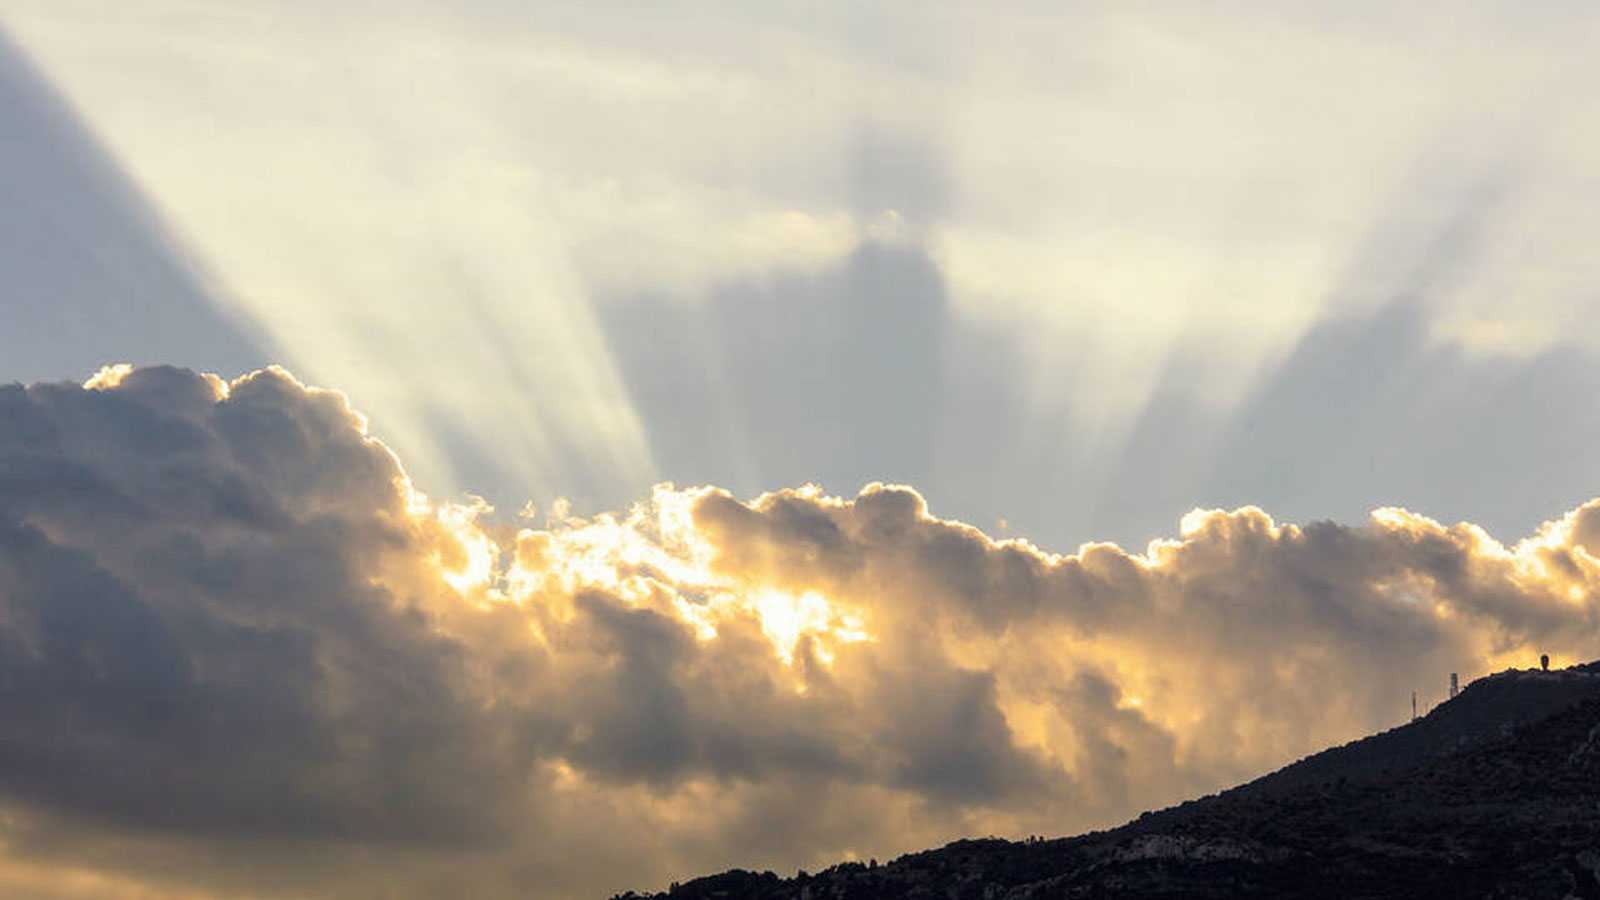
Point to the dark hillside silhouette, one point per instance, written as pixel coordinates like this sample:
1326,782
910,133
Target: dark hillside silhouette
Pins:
1494,794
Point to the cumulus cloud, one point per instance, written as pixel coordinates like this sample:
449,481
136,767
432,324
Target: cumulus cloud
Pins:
240,654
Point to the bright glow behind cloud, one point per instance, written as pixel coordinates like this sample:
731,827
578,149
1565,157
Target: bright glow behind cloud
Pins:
460,702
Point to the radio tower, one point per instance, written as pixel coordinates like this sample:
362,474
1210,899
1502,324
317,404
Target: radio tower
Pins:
1455,686
1413,706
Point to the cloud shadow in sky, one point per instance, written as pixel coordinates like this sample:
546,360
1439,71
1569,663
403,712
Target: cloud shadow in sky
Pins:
833,377
89,276
859,372
862,372
1368,411
1372,409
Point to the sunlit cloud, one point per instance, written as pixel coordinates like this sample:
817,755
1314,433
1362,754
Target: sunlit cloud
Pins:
1075,267
590,703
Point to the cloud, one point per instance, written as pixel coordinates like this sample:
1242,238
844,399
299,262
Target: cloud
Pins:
240,654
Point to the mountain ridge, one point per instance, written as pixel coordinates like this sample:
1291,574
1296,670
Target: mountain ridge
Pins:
1495,793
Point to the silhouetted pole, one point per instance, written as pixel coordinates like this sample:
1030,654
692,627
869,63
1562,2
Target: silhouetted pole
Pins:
1455,686
1544,661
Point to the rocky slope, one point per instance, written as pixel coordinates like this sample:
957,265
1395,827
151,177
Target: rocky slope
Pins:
1494,794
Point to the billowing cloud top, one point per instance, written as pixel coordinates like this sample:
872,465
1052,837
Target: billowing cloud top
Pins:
239,654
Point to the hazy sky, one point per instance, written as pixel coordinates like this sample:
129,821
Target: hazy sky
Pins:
1076,267
1067,270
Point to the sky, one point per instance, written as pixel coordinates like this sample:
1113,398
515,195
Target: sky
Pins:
560,448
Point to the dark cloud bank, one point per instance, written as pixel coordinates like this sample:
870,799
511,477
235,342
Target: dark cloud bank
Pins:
239,655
